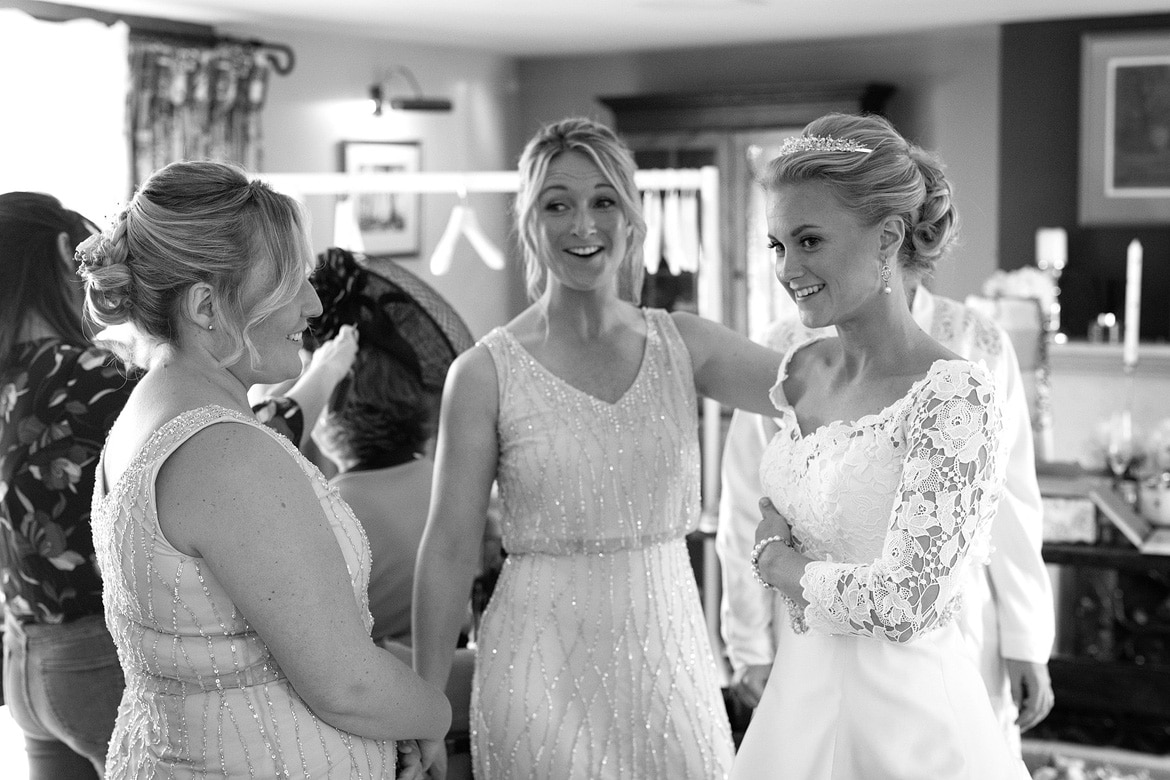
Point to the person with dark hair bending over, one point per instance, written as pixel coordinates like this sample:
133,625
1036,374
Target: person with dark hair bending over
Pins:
59,395
882,480
592,657
235,579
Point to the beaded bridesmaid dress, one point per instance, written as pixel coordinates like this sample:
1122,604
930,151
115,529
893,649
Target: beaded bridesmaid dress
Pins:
204,697
892,507
593,657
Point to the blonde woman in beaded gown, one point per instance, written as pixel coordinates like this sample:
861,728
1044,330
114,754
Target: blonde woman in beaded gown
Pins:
234,577
883,479
592,658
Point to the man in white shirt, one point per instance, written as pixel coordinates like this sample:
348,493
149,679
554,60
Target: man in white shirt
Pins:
1008,614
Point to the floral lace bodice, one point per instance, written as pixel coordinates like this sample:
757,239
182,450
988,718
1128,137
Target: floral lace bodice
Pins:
891,506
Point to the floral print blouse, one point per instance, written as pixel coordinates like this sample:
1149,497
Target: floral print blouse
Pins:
57,403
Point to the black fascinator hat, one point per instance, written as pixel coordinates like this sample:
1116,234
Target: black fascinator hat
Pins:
393,310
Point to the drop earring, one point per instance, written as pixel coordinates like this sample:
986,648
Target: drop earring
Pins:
886,274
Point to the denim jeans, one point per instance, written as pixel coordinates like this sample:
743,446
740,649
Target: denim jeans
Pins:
62,684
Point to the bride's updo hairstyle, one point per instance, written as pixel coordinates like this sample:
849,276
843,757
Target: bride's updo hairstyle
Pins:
875,173
193,222
616,163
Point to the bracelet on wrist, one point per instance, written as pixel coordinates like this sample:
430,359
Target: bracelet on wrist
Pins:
758,550
795,613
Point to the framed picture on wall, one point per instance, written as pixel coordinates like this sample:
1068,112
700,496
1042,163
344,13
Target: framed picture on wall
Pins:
1125,128
388,221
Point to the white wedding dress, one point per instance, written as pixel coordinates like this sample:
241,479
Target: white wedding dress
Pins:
891,507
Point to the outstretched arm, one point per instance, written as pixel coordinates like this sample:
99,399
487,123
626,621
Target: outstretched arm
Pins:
729,367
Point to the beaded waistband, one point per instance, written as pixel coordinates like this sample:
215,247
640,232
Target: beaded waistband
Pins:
591,546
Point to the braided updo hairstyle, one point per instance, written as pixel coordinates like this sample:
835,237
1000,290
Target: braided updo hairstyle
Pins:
193,222
896,179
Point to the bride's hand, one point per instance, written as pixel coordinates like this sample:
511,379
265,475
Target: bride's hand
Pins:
772,523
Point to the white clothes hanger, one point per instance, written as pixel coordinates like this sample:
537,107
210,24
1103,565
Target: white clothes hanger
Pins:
491,255
464,222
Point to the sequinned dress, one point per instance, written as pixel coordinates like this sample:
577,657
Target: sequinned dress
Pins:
892,507
204,697
593,657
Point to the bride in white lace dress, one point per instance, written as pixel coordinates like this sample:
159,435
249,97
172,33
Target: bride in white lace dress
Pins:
881,481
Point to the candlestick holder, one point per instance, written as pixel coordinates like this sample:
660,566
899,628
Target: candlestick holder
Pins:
1051,257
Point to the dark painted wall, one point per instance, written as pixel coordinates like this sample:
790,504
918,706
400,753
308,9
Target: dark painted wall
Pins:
1039,153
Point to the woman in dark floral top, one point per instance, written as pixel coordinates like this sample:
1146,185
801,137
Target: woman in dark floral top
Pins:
58,396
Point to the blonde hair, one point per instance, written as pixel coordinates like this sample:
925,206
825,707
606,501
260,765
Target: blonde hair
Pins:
196,222
616,163
893,178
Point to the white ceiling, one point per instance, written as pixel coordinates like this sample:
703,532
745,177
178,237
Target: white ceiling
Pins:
545,27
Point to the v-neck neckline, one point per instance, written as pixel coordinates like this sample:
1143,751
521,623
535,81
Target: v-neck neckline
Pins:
545,370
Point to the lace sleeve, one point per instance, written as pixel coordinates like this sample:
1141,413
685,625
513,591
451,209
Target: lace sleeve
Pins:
946,496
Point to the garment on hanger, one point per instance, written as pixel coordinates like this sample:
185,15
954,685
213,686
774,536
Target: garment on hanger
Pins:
688,229
672,246
463,222
652,214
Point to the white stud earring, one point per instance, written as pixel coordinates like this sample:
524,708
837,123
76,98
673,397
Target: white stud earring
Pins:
210,327
886,274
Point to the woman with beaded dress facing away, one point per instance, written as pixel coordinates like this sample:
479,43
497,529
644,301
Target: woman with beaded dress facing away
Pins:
592,655
235,578
881,481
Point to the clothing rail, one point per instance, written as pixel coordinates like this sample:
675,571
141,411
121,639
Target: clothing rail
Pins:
472,181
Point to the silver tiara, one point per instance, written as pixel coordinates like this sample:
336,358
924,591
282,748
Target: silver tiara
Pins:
820,143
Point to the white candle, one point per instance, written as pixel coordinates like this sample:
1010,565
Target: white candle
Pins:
1051,249
1133,303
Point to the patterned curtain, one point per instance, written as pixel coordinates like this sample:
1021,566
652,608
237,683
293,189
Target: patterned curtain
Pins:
192,102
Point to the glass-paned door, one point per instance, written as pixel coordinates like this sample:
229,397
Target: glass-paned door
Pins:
764,300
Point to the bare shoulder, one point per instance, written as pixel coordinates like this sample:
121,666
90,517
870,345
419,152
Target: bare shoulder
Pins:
471,391
702,336
473,368
928,353
937,351
230,472
690,324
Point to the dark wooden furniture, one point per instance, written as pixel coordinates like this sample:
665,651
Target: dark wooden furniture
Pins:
1111,665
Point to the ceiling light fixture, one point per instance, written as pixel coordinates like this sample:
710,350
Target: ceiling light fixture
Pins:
415,102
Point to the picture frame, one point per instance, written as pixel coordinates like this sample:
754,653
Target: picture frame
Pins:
390,223
1125,129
